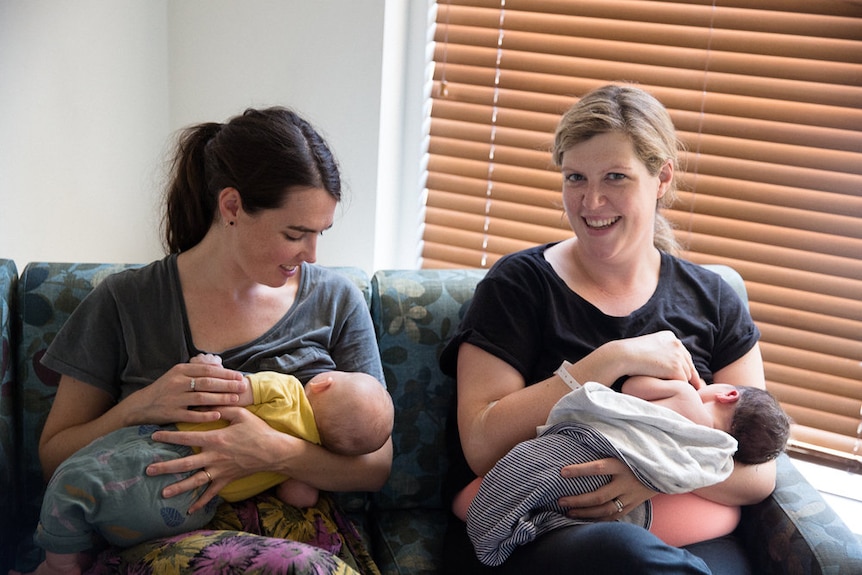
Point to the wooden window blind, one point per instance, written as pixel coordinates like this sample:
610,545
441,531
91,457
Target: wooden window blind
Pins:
767,99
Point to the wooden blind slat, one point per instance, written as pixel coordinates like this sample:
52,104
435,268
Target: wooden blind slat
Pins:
847,269
477,243
507,192
810,379
653,21
512,69
687,97
833,447
772,196
824,410
476,65
504,214
823,421
495,153
805,340
745,230
804,320
845,181
448,255
835,223
784,15
788,68
548,108
478,169
470,228
502,135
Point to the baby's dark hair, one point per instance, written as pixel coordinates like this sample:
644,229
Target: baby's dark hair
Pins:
760,426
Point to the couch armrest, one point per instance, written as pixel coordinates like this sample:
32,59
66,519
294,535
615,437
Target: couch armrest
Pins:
8,425
795,531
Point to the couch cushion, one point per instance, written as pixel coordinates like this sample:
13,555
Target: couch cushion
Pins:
8,444
360,278
408,541
732,277
416,312
796,531
47,294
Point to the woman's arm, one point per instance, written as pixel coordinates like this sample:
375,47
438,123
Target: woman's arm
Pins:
496,410
82,412
747,485
249,445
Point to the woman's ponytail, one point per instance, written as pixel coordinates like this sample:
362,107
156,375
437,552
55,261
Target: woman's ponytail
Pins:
190,203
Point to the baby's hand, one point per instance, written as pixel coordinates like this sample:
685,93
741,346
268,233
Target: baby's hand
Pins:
209,358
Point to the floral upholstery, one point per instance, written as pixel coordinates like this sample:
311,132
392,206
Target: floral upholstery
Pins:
795,530
414,312
47,294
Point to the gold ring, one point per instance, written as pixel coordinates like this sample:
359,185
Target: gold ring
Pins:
617,501
192,384
210,477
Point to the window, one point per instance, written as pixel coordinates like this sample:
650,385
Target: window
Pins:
767,98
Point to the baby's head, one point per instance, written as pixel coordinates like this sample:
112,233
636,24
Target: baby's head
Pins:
353,411
760,425
752,416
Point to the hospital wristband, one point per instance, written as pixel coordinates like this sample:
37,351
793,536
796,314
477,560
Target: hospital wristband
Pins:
563,372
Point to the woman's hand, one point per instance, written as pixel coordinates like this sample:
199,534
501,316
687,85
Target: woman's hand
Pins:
611,501
226,454
184,386
660,355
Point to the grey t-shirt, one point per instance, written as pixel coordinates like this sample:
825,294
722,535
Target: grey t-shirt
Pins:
132,328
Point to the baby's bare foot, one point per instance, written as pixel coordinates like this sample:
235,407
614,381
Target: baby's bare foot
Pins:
296,493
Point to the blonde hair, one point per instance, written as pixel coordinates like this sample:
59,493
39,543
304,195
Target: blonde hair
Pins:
640,116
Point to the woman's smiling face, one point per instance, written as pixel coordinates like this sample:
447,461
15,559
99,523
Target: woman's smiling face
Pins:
274,242
609,195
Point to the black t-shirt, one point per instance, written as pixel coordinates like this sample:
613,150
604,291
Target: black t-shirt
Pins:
525,314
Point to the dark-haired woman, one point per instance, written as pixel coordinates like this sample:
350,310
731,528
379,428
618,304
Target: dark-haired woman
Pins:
246,204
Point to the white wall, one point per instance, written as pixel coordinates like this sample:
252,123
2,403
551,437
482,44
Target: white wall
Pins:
83,117
91,92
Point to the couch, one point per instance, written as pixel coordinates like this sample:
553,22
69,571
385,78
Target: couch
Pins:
414,313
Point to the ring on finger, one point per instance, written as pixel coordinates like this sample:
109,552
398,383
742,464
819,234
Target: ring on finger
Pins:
192,384
616,501
210,477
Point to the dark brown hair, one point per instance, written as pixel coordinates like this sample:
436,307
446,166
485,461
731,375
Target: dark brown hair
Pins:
263,154
759,425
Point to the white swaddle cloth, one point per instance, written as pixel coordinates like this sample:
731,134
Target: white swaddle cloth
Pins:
517,500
